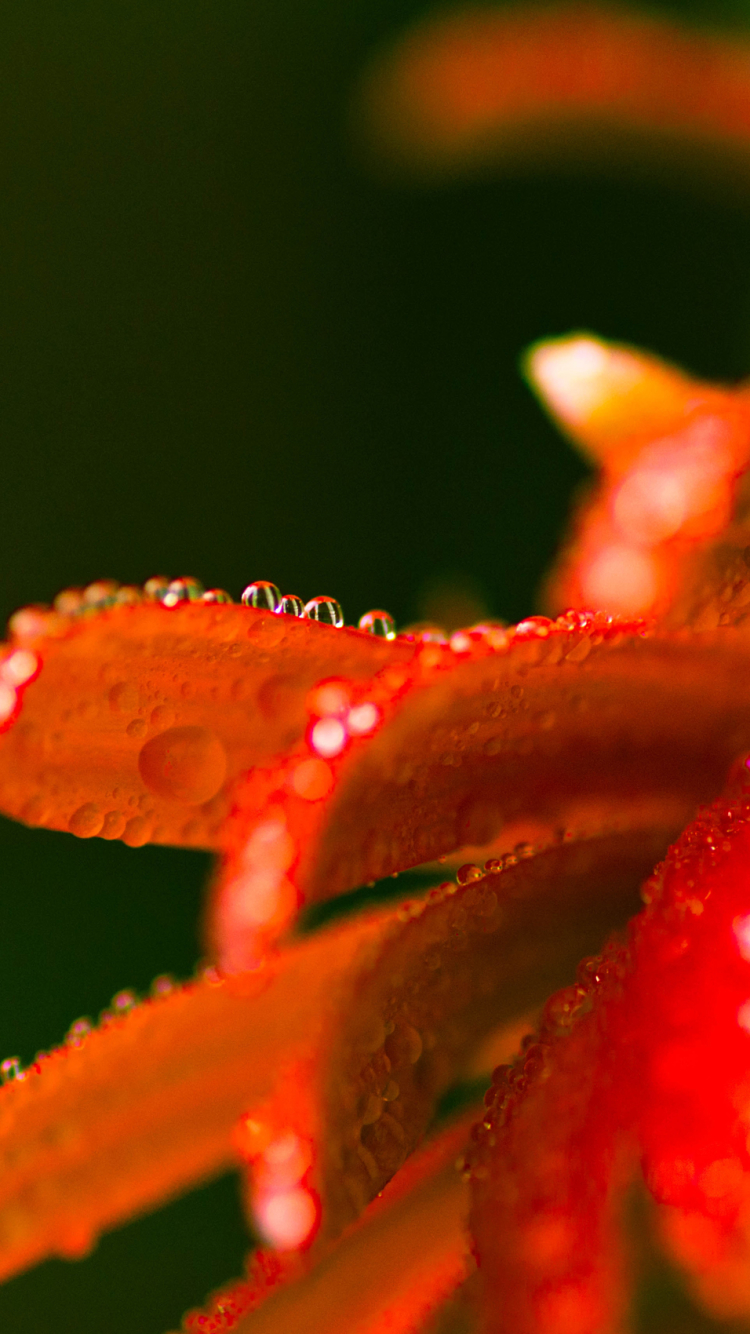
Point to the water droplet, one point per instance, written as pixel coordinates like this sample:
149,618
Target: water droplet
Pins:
137,831
460,642
114,825
534,627
181,590
128,596
124,1001
162,986
312,780
123,697
524,850
10,1069
20,667
78,1032
263,595
465,874
216,595
363,718
328,737
86,821
379,623
98,595
69,601
154,588
325,610
185,764
291,605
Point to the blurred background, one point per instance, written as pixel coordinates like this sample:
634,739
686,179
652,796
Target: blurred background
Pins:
231,348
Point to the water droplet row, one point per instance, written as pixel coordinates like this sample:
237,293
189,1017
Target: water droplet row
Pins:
261,595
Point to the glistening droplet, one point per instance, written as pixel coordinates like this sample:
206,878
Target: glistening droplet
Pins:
215,595
291,605
10,1069
263,595
379,623
325,610
98,595
154,588
182,590
465,874
185,764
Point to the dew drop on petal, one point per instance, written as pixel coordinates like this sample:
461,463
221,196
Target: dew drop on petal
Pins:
68,601
185,764
325,610
312,780
78,1032
181,590
154,588
291,605
123,1002
216,595
460,642
86,821
10,1069
162,986
465,874
262,595
128,596
379,623
100,594
363,718
286,1218
328,737
534,627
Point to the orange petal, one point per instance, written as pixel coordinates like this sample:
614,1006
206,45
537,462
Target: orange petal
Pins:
142,716
345,1041
491,85
496,729
673,453
406,1256
614,400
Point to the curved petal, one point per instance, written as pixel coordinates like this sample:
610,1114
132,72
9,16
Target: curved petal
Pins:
647,1055
673,455
322,1069
141,717
407,1253
526,83
497,729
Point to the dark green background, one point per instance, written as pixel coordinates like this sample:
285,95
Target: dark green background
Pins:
227,349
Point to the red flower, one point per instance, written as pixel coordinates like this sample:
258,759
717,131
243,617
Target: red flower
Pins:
563,754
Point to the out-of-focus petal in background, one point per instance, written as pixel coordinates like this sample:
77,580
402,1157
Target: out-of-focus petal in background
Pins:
236,345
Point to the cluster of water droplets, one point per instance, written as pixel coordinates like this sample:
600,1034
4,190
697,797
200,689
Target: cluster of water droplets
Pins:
104,594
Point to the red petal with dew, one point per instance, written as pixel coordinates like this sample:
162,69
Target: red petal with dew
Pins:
647,1056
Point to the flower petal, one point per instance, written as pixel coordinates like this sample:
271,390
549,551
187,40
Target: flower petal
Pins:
343,1044
408,1252
142,716
672,453
566,80
648,1054
474,737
